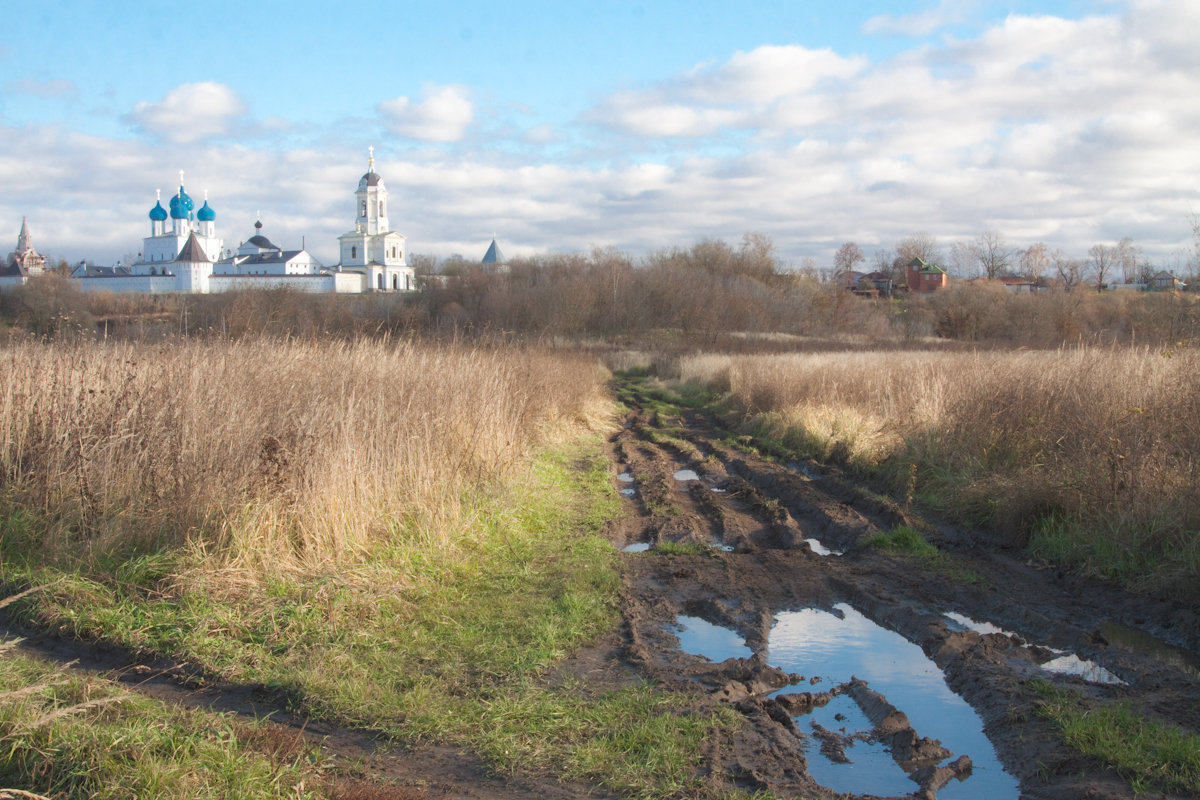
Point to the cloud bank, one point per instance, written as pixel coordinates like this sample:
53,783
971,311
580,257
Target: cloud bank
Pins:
1069,131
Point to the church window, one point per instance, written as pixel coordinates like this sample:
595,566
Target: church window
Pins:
364,208
354,252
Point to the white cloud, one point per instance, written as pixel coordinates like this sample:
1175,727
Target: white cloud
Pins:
1069,131
191,112
442,116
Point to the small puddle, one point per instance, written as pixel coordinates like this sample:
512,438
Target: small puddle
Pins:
628,492
701,638
1065,664
637,547
835,646
1072,664
625,477
1137,641
822,550
686,475
961,622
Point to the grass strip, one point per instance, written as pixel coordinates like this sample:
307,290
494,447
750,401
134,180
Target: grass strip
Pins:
67,735
1146,753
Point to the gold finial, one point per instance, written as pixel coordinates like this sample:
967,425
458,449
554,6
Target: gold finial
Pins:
371,159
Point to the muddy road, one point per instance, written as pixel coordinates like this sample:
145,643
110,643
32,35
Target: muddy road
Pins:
858,671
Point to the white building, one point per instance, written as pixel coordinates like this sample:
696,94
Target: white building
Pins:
184,254
22,263
373,248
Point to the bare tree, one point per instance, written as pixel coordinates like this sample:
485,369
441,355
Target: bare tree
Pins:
844,260
1070,270
1127,256
962,259
1034,261
1102,260
992,253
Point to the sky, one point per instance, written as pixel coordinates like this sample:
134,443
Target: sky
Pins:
642,126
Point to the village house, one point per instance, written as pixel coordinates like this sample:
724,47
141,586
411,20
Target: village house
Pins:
925,278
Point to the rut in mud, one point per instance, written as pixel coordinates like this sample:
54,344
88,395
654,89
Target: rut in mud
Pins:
748,583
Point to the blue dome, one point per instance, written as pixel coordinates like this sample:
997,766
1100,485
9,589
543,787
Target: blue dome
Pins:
158,213
181,205
206,214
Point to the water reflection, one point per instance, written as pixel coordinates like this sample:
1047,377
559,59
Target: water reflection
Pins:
840,644
701,638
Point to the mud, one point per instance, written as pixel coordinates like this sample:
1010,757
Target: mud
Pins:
754,520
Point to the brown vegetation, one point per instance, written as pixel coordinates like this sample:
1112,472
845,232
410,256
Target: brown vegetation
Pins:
1091,450
270,454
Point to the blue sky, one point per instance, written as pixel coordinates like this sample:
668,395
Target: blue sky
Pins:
640,126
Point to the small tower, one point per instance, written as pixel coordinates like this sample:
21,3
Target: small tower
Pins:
25,259
206,218
158,216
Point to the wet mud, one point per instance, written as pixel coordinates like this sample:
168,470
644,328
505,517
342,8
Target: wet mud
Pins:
762,541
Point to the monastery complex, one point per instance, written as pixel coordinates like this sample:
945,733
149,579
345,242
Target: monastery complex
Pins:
184,253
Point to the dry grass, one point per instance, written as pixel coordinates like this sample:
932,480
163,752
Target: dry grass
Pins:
1105,438
270,455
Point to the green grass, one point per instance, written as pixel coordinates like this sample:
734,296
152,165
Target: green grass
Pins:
903,540
1146,753
72,736
453,654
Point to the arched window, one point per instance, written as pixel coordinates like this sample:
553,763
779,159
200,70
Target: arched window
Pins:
364,208
354,252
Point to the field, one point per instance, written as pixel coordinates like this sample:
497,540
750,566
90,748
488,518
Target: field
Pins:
245,564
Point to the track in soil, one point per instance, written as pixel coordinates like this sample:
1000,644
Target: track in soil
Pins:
751,524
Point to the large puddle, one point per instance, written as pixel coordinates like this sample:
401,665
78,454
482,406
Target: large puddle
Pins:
836,646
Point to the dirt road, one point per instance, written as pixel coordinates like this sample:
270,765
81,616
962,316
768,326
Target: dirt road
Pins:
747,553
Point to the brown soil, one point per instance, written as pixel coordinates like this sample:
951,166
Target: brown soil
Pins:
763,512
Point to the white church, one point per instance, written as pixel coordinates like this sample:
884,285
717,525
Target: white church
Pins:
183,253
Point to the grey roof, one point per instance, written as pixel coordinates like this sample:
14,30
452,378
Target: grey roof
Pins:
12,268
193,252
370,179
262,242
275,257
493,254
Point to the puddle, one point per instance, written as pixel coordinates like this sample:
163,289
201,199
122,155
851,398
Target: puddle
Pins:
1140,642
836,646
701,638
961,622
1088,670
686,475
628,492
625,477
822,550
1065,664
638,547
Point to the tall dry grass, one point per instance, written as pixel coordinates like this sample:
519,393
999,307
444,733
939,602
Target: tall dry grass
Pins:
269,455
1106,438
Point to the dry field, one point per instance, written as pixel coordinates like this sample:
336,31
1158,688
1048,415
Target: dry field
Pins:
1092,452
270,455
